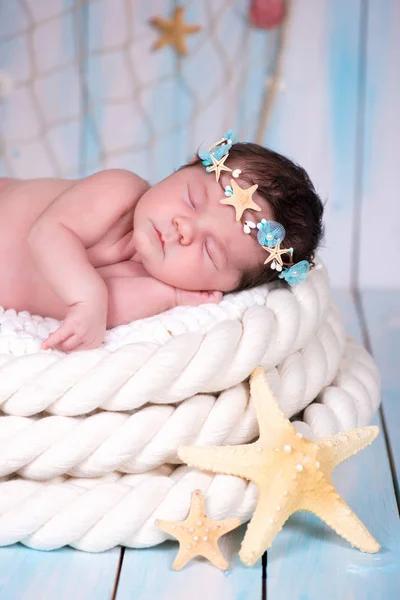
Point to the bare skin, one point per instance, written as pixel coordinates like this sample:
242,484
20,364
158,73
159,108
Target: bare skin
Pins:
100,278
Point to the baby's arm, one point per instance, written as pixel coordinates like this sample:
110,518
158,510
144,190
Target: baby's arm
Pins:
74,221
131,298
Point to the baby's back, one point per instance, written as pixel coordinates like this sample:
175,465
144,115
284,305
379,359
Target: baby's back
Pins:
21,203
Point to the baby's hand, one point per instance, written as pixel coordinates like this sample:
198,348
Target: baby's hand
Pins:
83,328
191,298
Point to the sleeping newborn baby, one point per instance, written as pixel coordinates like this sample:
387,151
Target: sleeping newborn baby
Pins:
108,249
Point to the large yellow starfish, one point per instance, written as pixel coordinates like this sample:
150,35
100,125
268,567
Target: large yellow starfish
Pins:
173,31
291,472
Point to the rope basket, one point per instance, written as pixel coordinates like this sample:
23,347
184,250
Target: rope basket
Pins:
88,440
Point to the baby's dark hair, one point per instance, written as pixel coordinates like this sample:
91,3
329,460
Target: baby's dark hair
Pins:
292,197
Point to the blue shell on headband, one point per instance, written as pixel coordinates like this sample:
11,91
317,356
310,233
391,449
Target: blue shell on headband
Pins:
218,151
270,233
297,273
229,135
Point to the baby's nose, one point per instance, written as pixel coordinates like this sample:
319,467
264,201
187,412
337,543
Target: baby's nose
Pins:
185,229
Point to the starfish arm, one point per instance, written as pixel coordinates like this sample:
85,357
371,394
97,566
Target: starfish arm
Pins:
325,503
160,43
238,209
159,23
271,419
229,524
180,44
182,558
266,522
229,460
197,508
168,527
192,28
337,448
271,254
214,555
252,205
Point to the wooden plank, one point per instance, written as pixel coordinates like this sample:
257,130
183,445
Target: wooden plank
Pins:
146,574
382,313
63,574
308,556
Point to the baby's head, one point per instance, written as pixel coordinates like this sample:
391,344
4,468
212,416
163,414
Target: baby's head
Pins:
187,238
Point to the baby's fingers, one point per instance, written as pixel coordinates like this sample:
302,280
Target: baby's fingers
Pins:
214,296
69,344
58,336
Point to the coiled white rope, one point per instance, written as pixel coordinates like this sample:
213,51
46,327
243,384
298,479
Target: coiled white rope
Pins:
165,374
95,514
43,447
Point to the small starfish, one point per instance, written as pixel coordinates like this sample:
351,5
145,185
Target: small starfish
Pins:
198,535
291,473
241,199
276,253
218,166
174,31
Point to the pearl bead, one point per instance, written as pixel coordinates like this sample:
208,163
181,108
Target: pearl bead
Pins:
299,467
205,538
287,448
199,523
191,529
270,236
317,464
195,538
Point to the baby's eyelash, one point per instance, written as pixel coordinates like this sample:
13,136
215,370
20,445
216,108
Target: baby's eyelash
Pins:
190,200
208,253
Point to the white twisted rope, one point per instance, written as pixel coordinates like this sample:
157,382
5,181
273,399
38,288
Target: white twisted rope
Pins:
44,447
175,363
99,513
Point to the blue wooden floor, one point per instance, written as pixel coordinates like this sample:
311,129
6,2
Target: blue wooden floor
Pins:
307,561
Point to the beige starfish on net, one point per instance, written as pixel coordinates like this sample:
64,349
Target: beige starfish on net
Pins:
174,31
292,473
198,535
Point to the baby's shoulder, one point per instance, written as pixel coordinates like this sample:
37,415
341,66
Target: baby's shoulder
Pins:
122,178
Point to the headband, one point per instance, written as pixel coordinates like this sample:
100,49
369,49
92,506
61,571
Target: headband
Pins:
270,234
